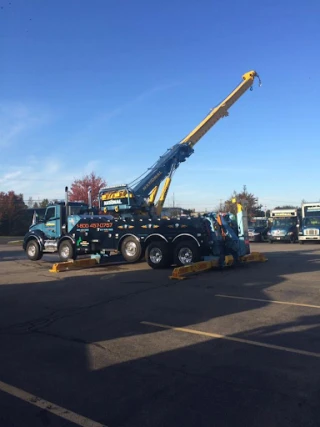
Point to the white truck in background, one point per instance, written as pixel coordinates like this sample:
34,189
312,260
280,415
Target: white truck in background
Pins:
310,226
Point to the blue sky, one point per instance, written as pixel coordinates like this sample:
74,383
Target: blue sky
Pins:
110,85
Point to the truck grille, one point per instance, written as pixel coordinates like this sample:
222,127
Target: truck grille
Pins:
311,232
279,233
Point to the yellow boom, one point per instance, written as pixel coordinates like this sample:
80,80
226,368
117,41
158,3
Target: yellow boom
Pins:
210,120
221,110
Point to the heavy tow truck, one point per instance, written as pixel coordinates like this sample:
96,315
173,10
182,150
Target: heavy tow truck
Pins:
72,229
129,220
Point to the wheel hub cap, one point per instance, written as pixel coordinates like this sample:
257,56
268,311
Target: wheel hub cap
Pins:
31,250
131,249
155,255
185,256
65,252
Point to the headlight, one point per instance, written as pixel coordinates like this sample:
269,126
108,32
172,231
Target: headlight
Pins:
256,234
290,233
269,233
300,233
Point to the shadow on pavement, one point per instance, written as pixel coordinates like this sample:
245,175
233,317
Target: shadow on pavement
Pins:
79,342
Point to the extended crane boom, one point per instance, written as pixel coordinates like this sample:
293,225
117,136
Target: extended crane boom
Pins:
140,195
199,131
221,110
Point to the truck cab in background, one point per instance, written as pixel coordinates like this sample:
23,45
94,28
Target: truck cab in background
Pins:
285,226
258,228
310,225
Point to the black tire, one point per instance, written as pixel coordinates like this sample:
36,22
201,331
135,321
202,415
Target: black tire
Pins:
186,252
67,251
131,249
159,255
301,242
270,241
33,250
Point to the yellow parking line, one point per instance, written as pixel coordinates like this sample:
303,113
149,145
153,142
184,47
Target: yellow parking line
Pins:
235,339
267,300
48,406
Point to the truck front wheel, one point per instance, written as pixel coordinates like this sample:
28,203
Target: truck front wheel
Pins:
66,251
186,252
131,249
158,255
33,250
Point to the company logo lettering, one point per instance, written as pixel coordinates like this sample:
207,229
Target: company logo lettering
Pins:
116,195
112,202
152,180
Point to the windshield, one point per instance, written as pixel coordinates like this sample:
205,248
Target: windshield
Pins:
315,221
78,210
258,223
284,222
311,211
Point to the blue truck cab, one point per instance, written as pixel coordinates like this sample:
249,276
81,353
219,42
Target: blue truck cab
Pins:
258,228
46,232
285,226
310,226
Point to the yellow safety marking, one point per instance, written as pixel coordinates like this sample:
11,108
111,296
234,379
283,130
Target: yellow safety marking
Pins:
269,301
179,272
235,339
48,406
254,257
228,260
64,266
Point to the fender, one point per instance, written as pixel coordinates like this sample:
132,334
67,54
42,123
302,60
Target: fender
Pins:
157,234
189,235
38,235
66,237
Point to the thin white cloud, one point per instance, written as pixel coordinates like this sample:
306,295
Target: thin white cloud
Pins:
47,180
16,119
8,177
104,117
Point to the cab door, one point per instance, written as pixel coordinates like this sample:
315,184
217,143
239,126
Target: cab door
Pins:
51,223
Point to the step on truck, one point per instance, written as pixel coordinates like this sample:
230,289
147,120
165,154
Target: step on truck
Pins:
72,229
310,225
285,225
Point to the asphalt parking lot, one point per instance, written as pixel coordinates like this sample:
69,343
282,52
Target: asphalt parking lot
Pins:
124,345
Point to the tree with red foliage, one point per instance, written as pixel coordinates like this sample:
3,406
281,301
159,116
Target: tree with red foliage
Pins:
79,188
12,211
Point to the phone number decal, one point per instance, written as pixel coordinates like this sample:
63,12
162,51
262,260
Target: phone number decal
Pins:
96,225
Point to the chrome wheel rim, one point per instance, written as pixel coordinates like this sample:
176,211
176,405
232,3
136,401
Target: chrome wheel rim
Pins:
185,256
131,249
155,255
65,251
32,249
